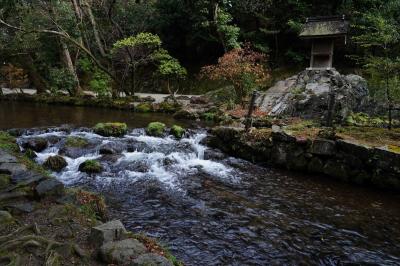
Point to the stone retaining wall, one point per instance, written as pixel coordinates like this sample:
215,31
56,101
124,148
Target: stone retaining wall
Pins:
341,159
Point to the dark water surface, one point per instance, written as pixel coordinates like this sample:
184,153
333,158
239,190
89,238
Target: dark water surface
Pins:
211,209
27,115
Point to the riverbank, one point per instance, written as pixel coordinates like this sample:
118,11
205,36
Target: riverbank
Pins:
44,223
362,156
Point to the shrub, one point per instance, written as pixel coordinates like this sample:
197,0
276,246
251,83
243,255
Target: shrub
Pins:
155,129
242,67
111,129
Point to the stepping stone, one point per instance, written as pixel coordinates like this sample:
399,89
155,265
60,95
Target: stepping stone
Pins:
5,157
17,208
26,177
50,187
12,168
107,232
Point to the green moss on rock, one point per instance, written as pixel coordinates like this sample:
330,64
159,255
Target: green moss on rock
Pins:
76,142
167,107
177,131
155,129
91,167
55,163
111,129
144,107
8,142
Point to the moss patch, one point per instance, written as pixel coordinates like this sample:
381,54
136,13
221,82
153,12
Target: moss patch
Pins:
144,108
177,131
76,142
55,163
167,107
155,129
111,129
8,142
91,167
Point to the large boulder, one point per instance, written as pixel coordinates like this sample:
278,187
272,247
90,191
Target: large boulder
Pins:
111,129
50,187
307,95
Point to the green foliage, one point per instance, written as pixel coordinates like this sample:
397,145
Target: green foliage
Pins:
364,120
8,142
155,129
100,81
379,36
146,39
177,131
62,79
111,129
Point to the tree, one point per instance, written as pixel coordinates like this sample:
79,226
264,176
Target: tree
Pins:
169,68
144,51
380,36
242,67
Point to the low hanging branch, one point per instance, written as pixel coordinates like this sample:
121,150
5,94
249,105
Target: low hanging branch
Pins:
66,37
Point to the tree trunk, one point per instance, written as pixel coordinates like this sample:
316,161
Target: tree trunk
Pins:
35,77
70,66
95,30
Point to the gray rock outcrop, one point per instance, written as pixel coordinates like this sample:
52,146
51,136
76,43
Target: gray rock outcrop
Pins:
307,94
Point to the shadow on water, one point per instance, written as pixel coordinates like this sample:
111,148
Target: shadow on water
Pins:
211,209
28,115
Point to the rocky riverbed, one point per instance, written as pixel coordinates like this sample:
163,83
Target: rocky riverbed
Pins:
212,209
44,223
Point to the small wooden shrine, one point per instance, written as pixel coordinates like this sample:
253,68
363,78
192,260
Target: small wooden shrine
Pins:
323,32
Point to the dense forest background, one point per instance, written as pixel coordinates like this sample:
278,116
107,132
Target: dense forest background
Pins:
113,46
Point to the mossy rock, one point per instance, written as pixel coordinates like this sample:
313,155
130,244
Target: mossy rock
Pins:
144,107
208,116
76,142
155,129
55,163
5,218
177,131
8,142
91,167
111,129
167,107
4,181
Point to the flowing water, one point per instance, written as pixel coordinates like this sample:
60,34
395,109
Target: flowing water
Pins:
211,209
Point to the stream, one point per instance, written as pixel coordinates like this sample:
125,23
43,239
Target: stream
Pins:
212,209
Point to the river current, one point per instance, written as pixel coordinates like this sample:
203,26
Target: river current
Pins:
212,209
